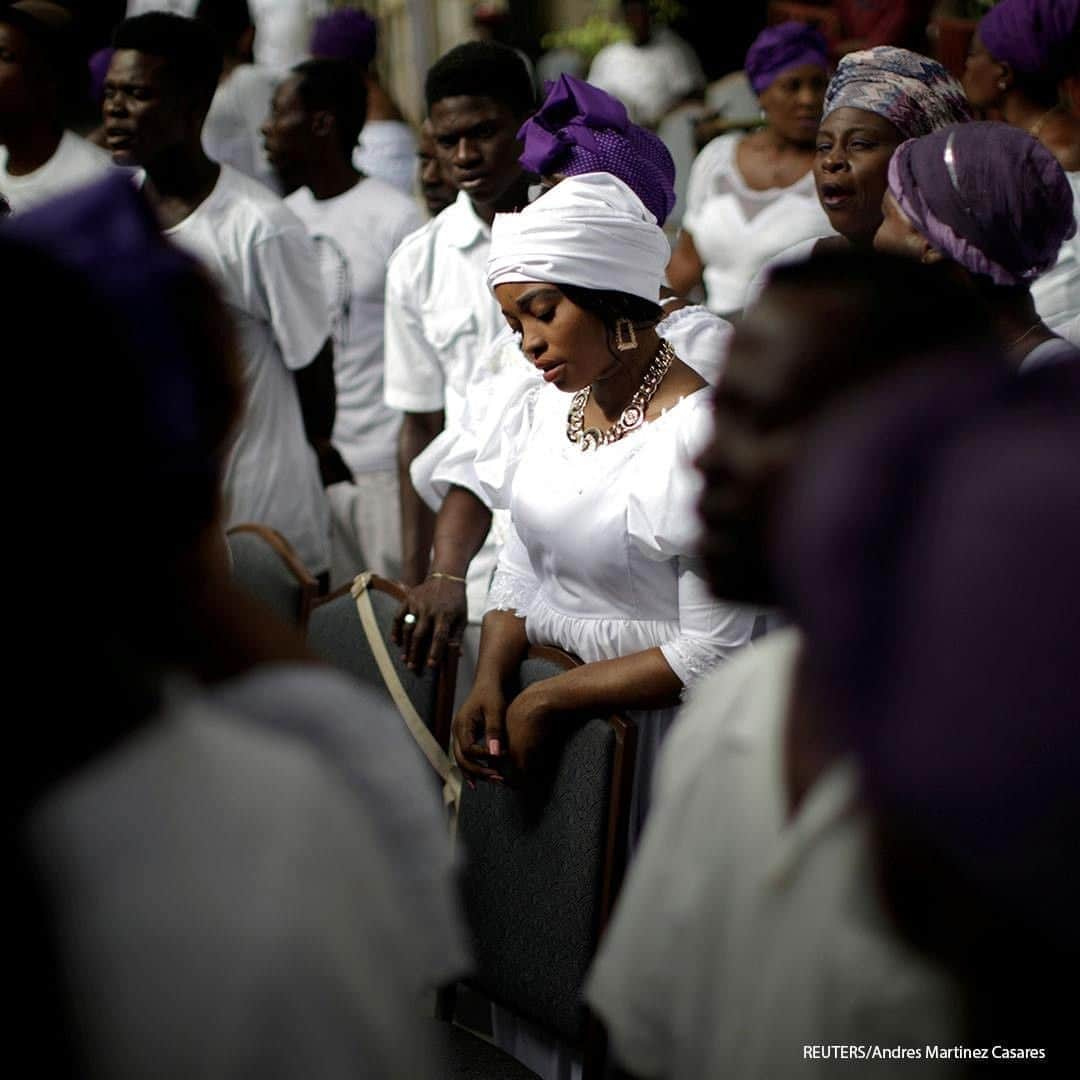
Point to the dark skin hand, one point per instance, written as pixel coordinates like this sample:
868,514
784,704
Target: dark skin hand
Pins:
439,602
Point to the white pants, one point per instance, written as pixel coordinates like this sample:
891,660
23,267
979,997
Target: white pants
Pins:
365,527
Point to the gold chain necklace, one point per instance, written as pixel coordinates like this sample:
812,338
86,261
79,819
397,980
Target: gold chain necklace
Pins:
632,417
1035,128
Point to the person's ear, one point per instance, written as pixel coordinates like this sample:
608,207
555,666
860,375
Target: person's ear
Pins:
929,255
1006,78
322,123
245,47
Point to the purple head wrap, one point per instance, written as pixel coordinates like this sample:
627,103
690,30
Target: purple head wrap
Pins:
582,129
1036,37
929,543
780,48
345,34
108,234
914,93
99,68
989,196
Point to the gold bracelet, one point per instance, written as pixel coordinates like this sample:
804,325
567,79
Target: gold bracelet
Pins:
446,577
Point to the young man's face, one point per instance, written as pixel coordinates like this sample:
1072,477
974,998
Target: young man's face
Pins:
476,143
144,111
287,134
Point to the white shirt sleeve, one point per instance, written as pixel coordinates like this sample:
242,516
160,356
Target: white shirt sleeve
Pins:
514,586
290,282
413,378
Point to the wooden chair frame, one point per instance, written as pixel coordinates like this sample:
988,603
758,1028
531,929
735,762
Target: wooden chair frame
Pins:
594,1039
445,673
309,586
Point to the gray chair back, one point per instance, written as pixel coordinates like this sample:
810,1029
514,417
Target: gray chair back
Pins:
336,634
543,864
265,564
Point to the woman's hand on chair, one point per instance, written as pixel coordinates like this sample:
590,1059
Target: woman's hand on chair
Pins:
528,725
439,610
480,733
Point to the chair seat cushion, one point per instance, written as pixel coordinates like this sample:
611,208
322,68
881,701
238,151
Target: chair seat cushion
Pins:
461,1055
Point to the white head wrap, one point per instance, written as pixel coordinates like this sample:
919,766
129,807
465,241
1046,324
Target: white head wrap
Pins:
589,230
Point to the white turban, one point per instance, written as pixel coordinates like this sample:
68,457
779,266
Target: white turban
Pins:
589,230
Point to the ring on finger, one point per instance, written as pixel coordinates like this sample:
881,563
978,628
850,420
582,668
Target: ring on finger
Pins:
410,619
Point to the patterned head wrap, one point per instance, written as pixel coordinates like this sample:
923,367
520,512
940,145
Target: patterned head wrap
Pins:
779,48
914,93
345,34
989,196
591,231
582,129
1036,37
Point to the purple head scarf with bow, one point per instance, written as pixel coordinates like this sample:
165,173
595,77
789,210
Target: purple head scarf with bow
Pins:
780,48
345,34
581,129
1038,38
989,196
99,68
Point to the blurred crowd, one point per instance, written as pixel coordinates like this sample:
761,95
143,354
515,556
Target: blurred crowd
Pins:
762,409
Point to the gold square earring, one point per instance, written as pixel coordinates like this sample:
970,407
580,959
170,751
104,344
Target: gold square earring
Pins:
625,338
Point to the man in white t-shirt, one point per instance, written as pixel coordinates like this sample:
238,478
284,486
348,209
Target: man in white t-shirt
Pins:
40,70
650,74
356,222
157,91
440,315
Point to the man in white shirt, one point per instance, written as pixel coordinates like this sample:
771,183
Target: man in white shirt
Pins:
40,72
157,91
652,73
356,222
440,315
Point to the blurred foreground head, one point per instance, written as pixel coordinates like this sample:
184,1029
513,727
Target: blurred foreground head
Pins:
820,330
928,545
125,343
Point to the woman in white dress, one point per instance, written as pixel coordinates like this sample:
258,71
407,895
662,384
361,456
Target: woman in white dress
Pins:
601,488
752,196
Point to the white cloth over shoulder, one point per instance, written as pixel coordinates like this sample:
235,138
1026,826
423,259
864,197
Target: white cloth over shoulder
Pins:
232,133
223,909
741,937
387,152
737,228
589,230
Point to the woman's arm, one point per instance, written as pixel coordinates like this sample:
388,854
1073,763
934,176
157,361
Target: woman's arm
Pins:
685,268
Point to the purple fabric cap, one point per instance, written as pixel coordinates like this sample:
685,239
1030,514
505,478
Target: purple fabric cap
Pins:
99,68
345,34
989,196
780,48
582,129
108,233
1036,37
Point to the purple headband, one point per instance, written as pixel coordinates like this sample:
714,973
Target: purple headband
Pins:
989,196
914,93
345,34
780,48
1036,37
582,129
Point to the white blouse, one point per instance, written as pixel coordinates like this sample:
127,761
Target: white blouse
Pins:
600,554
737,228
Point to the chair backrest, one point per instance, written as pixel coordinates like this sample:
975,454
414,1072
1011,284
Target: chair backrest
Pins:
336,634
543,864
265,564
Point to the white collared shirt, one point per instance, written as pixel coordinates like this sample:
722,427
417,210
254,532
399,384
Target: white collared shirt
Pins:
441,317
